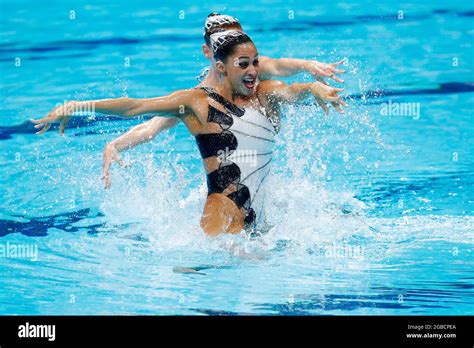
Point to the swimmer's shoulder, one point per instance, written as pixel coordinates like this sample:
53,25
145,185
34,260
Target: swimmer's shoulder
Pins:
191,94
196,99
266,94
190,97
269,86
267,90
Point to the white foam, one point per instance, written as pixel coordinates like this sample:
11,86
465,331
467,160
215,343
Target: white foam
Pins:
300,208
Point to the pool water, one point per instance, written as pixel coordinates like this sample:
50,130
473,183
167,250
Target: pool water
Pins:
372,212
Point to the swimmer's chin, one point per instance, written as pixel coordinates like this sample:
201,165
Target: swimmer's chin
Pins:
247,91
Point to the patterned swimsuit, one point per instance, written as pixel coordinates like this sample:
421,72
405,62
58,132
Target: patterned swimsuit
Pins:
244,149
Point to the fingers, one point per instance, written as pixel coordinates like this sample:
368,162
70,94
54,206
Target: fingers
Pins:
323,105
342,102
42,124
34,121
320,79
339,62
63,124
324,72
105,170
332,99
116,157
337,107
121,162
332,74
329,72
107,181
45,128
110,155
106,165
336,78
39,120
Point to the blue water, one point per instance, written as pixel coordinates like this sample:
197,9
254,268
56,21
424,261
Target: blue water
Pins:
371,213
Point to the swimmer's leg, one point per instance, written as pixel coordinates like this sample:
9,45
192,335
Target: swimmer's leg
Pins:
221,215
197,269
187,270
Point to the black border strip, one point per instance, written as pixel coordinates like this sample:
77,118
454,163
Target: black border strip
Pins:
241,330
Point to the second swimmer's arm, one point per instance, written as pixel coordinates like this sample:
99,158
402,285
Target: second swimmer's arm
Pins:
283,67
142,133
137,135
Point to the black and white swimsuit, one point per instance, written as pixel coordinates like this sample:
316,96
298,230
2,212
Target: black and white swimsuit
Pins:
244,149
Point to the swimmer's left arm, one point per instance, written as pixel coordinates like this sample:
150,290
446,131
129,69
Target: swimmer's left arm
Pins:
284,67
279,92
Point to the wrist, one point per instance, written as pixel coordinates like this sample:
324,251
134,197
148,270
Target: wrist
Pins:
308,66
315,87
301,90
109,148
313,67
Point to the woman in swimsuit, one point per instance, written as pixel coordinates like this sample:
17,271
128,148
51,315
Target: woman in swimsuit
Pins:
233,117
268,68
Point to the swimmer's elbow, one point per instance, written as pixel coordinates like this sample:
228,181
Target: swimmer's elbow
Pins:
131,107
134,110
137,107
268,68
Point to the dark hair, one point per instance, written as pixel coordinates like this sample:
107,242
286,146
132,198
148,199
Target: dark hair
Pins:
227,44
217,27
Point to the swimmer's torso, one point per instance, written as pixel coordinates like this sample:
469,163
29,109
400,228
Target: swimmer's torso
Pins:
236,145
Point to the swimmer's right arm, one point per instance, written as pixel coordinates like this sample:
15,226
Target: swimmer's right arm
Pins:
284,67
173,105
278,91
139,134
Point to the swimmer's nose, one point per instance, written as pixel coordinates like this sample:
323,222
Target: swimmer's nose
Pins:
252,71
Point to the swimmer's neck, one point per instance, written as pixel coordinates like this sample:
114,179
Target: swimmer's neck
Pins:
212,78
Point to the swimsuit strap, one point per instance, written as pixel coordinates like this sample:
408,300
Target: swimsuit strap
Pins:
230,107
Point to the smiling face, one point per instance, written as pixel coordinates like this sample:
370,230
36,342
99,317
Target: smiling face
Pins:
241,68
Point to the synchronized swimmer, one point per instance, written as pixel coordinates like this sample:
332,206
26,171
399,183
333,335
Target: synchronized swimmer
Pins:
232,111
268,68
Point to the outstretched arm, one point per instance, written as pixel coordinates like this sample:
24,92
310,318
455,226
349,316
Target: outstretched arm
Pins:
172,105
276,92
139,134
283,67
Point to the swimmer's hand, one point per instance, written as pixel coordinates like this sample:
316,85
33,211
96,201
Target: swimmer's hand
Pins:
324,93
61,114
329,70
110,154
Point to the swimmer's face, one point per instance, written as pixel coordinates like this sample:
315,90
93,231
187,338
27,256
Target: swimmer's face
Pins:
241,68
